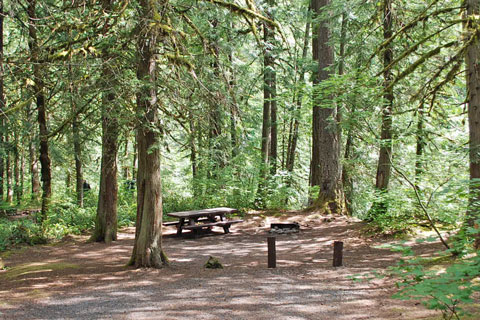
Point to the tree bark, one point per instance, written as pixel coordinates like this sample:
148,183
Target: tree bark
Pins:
271,87
126,169
472,59
106,219
134,160
268,146
8,162
16,169
347,180
325,165
77,152
273,156
293,136
380,206
34,179
193,148
420,144
147,250
39,88
216,153
77,145
233,105
22,173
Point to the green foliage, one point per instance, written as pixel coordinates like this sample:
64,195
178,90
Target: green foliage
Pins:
447,288
19,232
66,217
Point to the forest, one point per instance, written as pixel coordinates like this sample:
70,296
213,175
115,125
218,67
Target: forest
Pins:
115,113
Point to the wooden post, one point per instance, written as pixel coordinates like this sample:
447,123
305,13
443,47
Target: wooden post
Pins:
272,254
337,253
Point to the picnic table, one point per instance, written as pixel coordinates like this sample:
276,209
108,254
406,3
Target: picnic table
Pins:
200,219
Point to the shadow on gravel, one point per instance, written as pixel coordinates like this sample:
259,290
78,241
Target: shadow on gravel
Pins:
98,285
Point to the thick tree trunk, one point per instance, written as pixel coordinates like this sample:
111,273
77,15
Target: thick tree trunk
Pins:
41,108
473,98
147,250
380,206
325,165
106,220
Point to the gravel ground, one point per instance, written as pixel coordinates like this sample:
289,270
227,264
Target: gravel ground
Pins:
78,280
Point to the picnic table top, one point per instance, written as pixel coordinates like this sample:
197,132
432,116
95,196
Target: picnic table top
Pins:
202,213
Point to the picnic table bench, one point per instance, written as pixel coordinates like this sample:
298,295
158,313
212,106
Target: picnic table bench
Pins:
200,219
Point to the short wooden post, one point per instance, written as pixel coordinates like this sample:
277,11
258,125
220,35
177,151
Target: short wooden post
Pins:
337,253
272,254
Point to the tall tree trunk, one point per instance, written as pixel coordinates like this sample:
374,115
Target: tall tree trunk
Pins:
8,162
380,206
473,98
16,169
77,152
193,155
268,98
34,179
293,136
2,107
134,159
39,88
215,116
22,173
193,148
271,87
126,169
325,166
147,250
106,220
233,107
32,152
273,156
347,180
420,144
77,145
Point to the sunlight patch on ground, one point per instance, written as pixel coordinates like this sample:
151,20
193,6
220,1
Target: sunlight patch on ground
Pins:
35,268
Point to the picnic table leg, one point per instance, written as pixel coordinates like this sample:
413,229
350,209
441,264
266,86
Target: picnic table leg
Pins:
179,226
226,228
